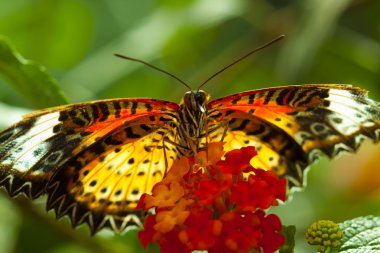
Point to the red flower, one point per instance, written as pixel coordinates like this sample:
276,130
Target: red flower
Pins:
241,233
237,161
201,231
170,243
208,190
146,236
272,240
206,203
267,189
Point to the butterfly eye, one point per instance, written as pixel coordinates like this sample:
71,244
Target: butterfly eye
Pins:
191,100
200,96
187,98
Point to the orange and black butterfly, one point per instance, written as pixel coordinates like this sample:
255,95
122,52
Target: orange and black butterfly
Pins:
94,160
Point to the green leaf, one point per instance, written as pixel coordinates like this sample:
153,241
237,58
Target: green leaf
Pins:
289,233
29,78
331,250
361,235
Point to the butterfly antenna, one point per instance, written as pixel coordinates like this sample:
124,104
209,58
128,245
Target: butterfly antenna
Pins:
153,67
242,58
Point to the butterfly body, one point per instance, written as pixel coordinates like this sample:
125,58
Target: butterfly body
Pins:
192,123
94,160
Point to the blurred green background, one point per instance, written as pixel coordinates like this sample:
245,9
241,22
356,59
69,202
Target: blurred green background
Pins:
327,42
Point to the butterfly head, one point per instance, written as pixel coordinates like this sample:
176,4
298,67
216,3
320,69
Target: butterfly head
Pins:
196,100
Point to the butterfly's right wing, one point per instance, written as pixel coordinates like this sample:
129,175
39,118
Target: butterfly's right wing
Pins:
102,184
33,149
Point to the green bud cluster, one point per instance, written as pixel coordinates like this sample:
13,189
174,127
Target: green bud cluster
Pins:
324,233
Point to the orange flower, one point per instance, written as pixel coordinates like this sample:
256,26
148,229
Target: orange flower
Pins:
179,168
166,220
164,195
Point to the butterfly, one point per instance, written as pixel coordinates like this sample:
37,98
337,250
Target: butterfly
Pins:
94,160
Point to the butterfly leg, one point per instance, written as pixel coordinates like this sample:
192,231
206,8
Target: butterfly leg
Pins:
206,135
165,155
193,149
175,144
227,124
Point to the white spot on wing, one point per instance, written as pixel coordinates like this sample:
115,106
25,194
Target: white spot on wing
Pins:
346,127
377,133
348,111
29,148
319,128
368,123
29,158
341,148
302,136
341,96
44,122
315,154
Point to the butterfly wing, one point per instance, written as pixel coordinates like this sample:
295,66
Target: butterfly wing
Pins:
291,126
60,151
29,151
102,184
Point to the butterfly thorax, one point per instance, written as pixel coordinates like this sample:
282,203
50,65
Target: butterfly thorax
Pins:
192,119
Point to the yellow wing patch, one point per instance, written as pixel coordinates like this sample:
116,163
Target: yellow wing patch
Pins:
115,181
108,178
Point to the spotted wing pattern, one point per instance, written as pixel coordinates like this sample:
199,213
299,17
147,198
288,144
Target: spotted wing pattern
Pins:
93,159
102,184
291,126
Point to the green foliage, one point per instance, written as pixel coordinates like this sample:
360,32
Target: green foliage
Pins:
361,235
289,232
29,78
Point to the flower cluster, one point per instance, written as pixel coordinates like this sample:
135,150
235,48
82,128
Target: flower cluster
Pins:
205,203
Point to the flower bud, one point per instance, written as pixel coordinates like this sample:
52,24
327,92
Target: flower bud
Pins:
324,233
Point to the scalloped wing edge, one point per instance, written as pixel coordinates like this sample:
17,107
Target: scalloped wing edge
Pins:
79,214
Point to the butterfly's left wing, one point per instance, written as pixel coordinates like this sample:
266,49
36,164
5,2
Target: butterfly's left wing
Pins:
290,126
119,142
